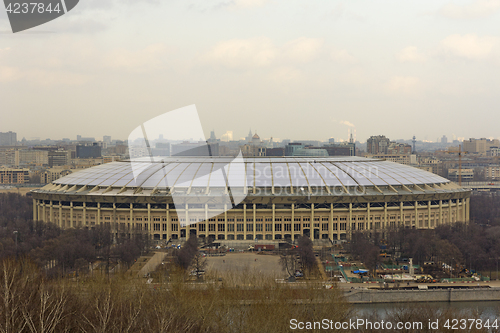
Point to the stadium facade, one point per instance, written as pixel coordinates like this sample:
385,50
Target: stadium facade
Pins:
254,198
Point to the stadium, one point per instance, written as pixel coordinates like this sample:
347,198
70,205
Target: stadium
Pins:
262,198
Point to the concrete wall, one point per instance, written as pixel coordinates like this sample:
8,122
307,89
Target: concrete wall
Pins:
431,295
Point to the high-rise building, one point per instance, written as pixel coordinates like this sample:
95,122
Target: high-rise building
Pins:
377,144
8,139
444,139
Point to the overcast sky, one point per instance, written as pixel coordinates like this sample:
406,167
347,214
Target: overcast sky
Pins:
288,69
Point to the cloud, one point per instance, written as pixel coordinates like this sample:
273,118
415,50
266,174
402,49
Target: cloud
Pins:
8,74
474,10
470,46
285,74
343,56
151,58
340,12
403,84
262,52
249,3
254,52
303,49
410,54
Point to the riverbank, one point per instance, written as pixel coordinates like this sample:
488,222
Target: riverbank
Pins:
439,294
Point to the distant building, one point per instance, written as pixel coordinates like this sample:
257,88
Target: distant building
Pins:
292,147
213,138
88,151
444,139
8,139
59,157
14,176
201,148
398,148
313,152
377,144
31,157
492,172
480,146
106,139
275,151
398,158
52,174
7,156
340,149
80,138
466,174
249,136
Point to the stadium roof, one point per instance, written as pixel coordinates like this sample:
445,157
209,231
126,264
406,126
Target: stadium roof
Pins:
212,174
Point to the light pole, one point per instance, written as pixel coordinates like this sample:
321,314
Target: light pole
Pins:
15,233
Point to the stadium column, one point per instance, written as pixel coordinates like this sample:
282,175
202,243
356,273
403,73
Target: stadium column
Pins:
293,222
449,211
169,225
349,223
429,214
98,217
416,214
384,226
330,227
186,222
35,207
440,212
457,210
44,215
225,222
274,215
312,221
131,216
51,211
115,220
467,209
72,223
39,207
244,222
369,224
401,214
84,219
60,215
149,220
254,222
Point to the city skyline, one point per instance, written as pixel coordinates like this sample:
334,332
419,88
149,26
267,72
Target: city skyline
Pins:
295,69
224,138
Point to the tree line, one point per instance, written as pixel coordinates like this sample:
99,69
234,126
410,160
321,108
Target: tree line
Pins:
49,246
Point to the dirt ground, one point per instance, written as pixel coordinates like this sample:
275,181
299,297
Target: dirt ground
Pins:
251,262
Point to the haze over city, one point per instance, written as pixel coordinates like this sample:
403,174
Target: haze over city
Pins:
291,69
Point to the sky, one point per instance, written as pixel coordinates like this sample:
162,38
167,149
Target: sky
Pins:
292,69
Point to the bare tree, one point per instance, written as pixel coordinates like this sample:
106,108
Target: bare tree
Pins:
289,261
